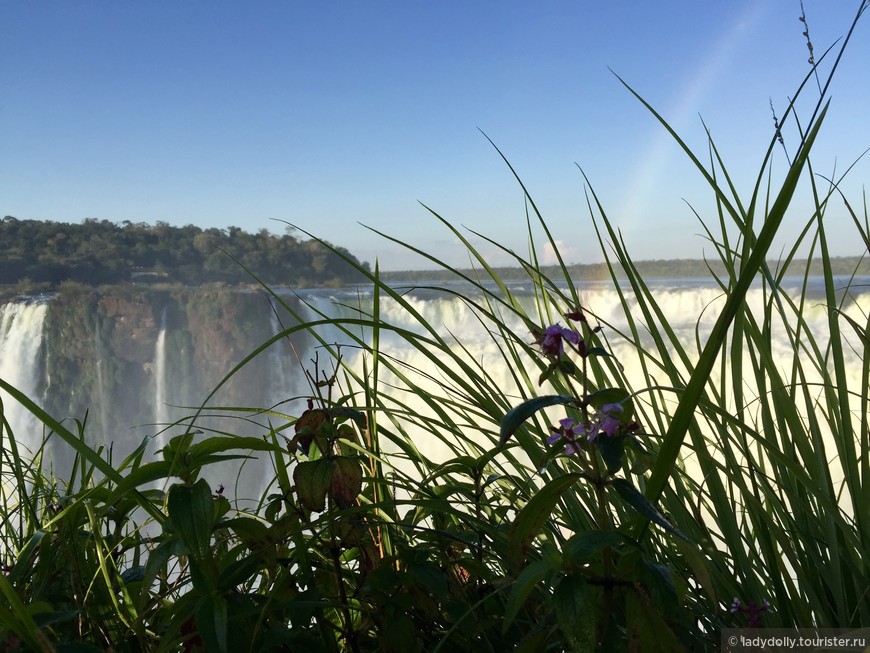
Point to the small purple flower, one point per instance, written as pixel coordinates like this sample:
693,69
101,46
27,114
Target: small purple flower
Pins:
567,433
607,421
552,342
752,610
609,424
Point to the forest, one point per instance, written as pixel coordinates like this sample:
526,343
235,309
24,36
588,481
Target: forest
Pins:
40,254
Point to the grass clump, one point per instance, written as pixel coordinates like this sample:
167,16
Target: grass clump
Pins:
584,485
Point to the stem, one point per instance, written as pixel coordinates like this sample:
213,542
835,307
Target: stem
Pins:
350,633
478,514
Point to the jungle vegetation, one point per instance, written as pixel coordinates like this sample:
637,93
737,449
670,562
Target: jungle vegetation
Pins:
42,254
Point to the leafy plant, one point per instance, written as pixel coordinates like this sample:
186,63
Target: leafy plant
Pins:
433,505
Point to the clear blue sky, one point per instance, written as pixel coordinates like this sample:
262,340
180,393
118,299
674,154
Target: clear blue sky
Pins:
333,115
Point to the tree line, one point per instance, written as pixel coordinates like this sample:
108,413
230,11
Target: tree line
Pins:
99,252
675,269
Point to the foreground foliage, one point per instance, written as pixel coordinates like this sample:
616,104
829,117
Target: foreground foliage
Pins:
580,507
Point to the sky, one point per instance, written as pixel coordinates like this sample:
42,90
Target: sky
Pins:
346,119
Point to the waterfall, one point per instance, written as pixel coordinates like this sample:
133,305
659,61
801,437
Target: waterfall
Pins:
99,364
280,376
133,372
690,310
21,366
161,408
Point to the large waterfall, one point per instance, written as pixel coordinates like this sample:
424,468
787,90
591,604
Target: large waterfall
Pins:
134,365
21,364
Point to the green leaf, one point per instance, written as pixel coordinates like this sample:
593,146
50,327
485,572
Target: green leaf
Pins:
22,565
177,446
241,570
535,513
253,533
647,628
346,481
519,414
522,587
430,577
636,500
215,444
212,622
575,613
612,451
659,582
400,636
221,507
147,473
133,574
582,546
17,618
691,396
643,459
190,509
613,396
547,373
700,567
345,412
313,479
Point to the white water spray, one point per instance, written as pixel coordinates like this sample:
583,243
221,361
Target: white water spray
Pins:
161,409
20,363
99,363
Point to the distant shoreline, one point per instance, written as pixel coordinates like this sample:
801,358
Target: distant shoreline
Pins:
652,270
649,269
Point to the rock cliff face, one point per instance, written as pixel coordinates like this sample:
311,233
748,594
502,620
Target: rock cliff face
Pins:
131,361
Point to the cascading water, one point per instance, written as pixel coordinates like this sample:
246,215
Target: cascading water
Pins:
99,364
21,365
161,412
690,311
140,363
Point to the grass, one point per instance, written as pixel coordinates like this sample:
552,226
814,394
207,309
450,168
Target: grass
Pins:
430,505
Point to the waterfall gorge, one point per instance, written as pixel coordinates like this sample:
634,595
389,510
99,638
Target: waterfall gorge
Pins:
137,362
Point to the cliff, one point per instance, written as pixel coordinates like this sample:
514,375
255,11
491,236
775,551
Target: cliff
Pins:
129,361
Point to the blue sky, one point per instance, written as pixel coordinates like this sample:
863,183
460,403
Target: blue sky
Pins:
334,115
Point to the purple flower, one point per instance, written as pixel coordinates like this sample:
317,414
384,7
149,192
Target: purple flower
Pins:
555,437
567,433
552,342
607,421
610,424
752,610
